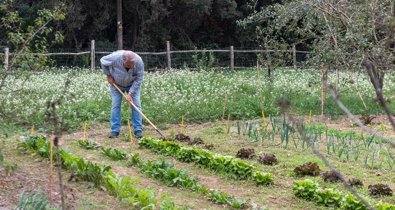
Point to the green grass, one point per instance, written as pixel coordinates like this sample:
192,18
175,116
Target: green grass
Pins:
199,96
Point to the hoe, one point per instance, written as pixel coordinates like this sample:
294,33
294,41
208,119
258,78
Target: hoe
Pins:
139,111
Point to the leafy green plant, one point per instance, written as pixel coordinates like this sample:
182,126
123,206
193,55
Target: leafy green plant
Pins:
88,144
35,200
167,173
10,168
351,202
205,61
384,206
134,160
262,178
305,188
328,197
114,153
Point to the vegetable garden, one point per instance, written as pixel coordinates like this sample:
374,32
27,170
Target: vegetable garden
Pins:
221,150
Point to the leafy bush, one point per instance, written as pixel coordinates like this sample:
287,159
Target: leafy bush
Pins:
305,189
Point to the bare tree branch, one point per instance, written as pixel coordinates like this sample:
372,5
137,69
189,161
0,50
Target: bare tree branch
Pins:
356,119
373,74
301,130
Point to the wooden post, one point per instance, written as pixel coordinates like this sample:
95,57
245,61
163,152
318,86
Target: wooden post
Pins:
93,55
294,55
119,25
168,55
6,57
232,58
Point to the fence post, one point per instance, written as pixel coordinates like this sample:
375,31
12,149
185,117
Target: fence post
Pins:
6,57
294,55
232,58
168,55
93,59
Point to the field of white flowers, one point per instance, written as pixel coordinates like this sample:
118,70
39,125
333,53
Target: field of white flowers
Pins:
198,95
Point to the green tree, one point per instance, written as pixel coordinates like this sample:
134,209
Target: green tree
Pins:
28,40
341,34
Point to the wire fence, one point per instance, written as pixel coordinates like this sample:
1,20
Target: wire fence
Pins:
171,58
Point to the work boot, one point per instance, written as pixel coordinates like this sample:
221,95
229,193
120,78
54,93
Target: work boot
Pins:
138,134
113,135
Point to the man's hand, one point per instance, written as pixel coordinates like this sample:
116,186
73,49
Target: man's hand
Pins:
129,97
110,79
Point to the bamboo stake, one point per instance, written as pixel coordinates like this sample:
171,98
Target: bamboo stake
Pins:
84,133
227,127
309,120
264,119
130,127
32,131
182,130
224,109
260,86
50,169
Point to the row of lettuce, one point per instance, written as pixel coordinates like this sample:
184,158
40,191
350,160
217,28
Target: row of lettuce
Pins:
232,167
330,197
168,174
239,169
124,188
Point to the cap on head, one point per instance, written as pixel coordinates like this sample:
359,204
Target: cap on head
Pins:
128,59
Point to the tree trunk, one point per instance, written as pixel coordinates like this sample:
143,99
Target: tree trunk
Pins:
376,76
